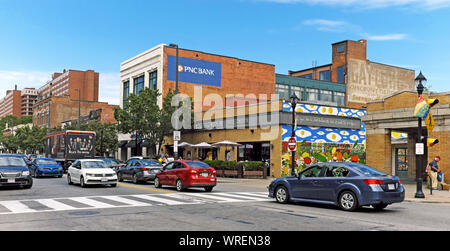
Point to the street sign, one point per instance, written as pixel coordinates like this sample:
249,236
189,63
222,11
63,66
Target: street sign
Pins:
420,149
292,144
176,136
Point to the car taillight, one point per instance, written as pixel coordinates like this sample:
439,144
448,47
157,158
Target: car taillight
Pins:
373,182
193,171
145,169
400,182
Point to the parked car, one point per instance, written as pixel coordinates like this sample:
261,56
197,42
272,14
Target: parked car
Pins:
139,170
14,171
347,185
46,167
111,163
91,172
186,174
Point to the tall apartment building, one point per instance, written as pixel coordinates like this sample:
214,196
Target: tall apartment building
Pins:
11,103
364,80
72,84
29,97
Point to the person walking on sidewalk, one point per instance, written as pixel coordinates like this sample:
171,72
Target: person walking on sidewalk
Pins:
433,170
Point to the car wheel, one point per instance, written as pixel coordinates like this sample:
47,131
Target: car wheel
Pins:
348,201
157,183
208,189
380,207
180,186
82,182
69,180
282,195
119,177
35,174
135,179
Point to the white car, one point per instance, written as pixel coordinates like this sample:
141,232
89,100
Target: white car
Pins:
91,172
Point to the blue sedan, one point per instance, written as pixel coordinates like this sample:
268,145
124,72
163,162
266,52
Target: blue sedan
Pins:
46,167
14,171
347,185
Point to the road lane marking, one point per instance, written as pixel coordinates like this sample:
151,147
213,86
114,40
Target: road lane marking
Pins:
16,207
212,197
145,188
55,205
243,197
258,194
126,201
160,200
91,202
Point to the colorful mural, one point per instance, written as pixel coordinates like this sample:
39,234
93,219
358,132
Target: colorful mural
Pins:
319,144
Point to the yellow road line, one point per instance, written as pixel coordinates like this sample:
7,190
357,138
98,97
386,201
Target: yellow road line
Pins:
144,188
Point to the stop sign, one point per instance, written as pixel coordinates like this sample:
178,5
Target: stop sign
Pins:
292,144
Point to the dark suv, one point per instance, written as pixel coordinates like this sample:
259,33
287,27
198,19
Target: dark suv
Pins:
14,171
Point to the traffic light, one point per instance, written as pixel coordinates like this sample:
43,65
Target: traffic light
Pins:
432,142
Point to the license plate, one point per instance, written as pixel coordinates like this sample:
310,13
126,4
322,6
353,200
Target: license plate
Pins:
391,186
12,180
104,180
205,175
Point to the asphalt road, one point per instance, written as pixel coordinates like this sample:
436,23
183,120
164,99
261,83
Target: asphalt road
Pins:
53,205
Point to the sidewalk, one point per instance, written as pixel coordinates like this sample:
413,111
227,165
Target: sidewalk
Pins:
437,197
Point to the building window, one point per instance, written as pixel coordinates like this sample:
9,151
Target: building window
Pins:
341,48
340,74
138,85
153,80
283,91
326,96
308,76
126,91
313,94
339,98
325,75
298,91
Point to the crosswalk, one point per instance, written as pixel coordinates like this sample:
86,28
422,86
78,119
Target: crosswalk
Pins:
120,201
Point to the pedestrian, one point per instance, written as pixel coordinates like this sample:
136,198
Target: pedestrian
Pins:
433,170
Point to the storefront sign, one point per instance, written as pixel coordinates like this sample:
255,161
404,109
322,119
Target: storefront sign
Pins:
317,120
194,71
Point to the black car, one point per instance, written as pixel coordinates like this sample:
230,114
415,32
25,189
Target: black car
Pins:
14,171
139,170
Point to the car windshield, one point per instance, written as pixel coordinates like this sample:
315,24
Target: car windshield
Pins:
110,161
11,161
150,163
368,171
194,164
93,164
46,162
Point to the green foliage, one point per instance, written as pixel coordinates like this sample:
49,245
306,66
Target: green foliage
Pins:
26,139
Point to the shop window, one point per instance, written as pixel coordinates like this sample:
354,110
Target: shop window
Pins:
339,98
326,96
283,91
313,94
298,91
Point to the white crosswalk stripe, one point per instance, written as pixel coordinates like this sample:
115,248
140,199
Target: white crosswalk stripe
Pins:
140,200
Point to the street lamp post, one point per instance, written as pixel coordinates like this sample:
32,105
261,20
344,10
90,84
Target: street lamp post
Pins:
177,65
79,109
294,101
420,88
175,152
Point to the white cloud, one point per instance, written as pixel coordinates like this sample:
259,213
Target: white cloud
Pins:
371,4
331,25
109,86
387,37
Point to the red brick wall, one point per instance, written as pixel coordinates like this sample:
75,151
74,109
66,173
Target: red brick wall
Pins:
238,76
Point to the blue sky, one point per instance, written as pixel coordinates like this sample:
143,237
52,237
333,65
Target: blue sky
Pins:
38,38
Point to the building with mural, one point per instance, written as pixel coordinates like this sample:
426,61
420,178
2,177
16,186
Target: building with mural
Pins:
324,133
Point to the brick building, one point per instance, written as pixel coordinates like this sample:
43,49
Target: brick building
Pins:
53,111
364,80
200,74
18,103
29,98
68,86
395,114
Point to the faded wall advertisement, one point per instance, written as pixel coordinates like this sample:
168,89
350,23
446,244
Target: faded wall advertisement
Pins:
368,81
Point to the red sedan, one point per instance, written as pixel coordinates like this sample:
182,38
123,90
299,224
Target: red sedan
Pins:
184,174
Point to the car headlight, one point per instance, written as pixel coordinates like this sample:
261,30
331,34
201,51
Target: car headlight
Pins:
25,173
89,174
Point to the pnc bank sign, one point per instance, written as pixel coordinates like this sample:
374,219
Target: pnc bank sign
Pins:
194,71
